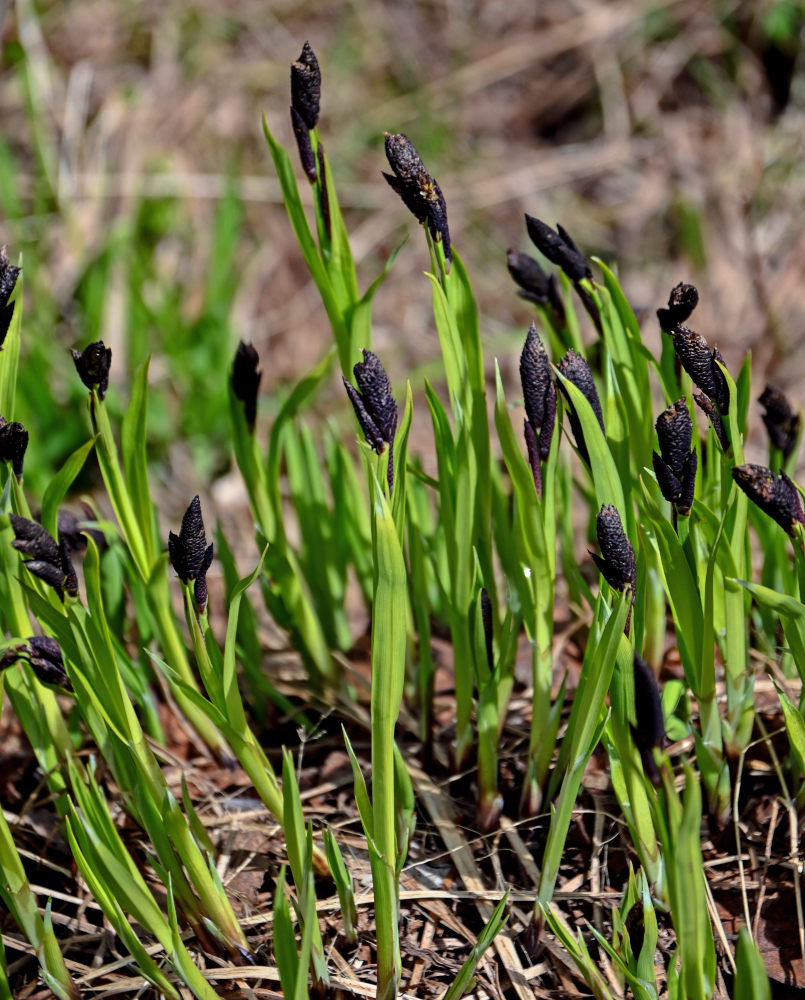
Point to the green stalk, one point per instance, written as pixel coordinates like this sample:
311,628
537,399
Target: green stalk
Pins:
389,634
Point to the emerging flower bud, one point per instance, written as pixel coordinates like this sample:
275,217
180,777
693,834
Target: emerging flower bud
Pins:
616,562
303,144
419,192
681,303
45,656
306,86
324,194
782,423
189,553
92,365
649,731
528,274
575,368
50,561
246,380
374,406
675,466
8,279
559,248
13,444
539,389
776,496
697,360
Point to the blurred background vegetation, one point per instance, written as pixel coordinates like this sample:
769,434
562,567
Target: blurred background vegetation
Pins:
666,135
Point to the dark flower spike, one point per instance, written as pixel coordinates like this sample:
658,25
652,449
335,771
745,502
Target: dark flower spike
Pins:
8,279
45,656
782,423
531,278
31,539
617,560
696,358
419,192
303,144
75,532
576,370
49,573
13,444
246,380
306,86
532,446
776,496
539,389
681,303
373,402
707,406
558,248
486,619
189,553
92,365
649,731
675,466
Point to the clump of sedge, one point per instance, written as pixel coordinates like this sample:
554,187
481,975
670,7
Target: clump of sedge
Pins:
374,405
246,380
190,555
8,279
45,656
776,496
539,394
92,365
50,561
681,303
782,422
675,466
419,192
13,444
649,731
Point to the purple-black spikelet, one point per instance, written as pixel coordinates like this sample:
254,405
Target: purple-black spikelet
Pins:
539,389
781,420
13,444
45,656
419,192
8,279
700,363
675,466
92,365
246,380
559,248
617,560
50,561
306,86
189,553
649,731
681,303
776,496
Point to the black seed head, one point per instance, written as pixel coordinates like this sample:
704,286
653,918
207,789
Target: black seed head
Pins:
576,370
246,380
776,496
782,423
303,144
8,279
31,539
532,447
45,656
559,248
528,274
696,358
685,501
419,192
13,444
670,484
189,554
707,406
306,86
539,390
649,730
675,433
373,401
92,365
49,572
681,303
617,561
